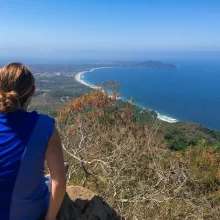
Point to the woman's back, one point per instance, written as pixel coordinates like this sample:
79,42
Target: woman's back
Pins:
24,138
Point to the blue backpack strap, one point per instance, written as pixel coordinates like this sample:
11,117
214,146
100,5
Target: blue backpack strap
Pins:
30,192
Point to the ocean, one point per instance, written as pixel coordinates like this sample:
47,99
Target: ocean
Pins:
190,93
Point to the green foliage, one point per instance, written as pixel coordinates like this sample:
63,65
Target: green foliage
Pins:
44,110
181,135
58,93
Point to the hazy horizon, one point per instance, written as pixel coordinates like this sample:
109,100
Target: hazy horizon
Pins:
88,30
84,57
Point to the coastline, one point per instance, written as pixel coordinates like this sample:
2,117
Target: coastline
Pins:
166,118
79,76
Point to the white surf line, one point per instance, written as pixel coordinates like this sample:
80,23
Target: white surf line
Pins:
79,77
166,118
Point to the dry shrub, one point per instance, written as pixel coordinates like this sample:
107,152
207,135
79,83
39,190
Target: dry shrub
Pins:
128,164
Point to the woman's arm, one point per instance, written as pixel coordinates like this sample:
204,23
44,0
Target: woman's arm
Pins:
55,161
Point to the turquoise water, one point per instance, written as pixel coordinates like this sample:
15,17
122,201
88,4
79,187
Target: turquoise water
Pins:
190,92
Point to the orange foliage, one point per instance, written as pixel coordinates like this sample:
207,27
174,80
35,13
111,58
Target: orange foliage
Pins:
96,104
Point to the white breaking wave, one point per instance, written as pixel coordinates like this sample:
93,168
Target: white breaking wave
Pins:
166,118
79,77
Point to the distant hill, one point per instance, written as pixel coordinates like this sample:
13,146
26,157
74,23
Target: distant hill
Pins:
154,64
145,64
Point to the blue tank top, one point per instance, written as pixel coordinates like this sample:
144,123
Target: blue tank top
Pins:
24,138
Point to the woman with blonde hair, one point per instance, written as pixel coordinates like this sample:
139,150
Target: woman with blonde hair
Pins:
27,139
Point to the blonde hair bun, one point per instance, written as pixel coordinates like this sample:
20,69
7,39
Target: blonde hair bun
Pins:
17,84
9,101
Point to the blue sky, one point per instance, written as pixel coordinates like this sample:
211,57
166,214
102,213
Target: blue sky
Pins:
58,28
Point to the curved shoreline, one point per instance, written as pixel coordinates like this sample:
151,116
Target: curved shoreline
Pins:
79,75
79,79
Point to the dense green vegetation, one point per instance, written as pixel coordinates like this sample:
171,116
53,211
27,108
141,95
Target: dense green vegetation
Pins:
182,135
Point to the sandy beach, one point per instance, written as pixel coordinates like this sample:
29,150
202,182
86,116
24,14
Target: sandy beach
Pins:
79,77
